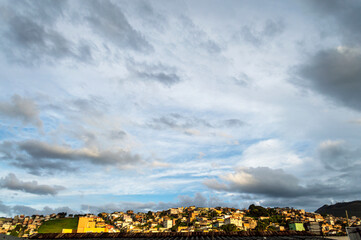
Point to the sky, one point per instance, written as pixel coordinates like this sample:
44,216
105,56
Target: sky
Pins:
147,105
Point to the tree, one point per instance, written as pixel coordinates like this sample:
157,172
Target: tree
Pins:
272,228
62,214
229,228
257,211
212,214
262,225
150,215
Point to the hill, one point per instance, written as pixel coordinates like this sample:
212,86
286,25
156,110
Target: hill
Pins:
57,225
338,209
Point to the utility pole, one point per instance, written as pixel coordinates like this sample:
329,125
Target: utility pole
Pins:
347,219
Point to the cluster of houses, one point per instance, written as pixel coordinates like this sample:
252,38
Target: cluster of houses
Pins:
24,226
181,219
189,219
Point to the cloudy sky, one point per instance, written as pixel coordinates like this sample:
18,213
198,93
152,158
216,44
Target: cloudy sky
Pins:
146,105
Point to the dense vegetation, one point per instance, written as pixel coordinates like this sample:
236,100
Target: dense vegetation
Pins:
17,231
259,211
229,228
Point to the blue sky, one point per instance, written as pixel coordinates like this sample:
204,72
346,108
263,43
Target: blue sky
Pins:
146,105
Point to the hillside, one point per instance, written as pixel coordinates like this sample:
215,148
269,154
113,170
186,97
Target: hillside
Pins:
338,209
57,225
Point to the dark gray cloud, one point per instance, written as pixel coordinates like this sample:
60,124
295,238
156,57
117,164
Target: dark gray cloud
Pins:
29,35
22,109
180,122
39,156
345,15
167,79
275,183
11,182
307,203
5,209
335,73
177,121
270,30
21,209
166,75
29,211
108,21
260,180
233,123
337,155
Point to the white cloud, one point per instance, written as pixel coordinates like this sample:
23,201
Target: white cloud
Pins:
271,153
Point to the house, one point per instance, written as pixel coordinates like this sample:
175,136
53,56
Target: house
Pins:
296,226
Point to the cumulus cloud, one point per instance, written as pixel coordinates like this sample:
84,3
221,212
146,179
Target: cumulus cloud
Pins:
198,200
336,74
36,156
271,153
261,180
11,182
29,211
22,109
300,202
273,183
26,210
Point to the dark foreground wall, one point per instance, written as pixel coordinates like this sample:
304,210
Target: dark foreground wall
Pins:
180,236
8,237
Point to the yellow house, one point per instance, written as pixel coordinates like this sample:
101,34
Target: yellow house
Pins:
86,225
219,211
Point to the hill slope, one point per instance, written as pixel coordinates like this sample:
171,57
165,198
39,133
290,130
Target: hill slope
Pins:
57,225
338,209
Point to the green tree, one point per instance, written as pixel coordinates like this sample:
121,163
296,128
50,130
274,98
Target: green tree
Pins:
262,225
229,228
212,214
